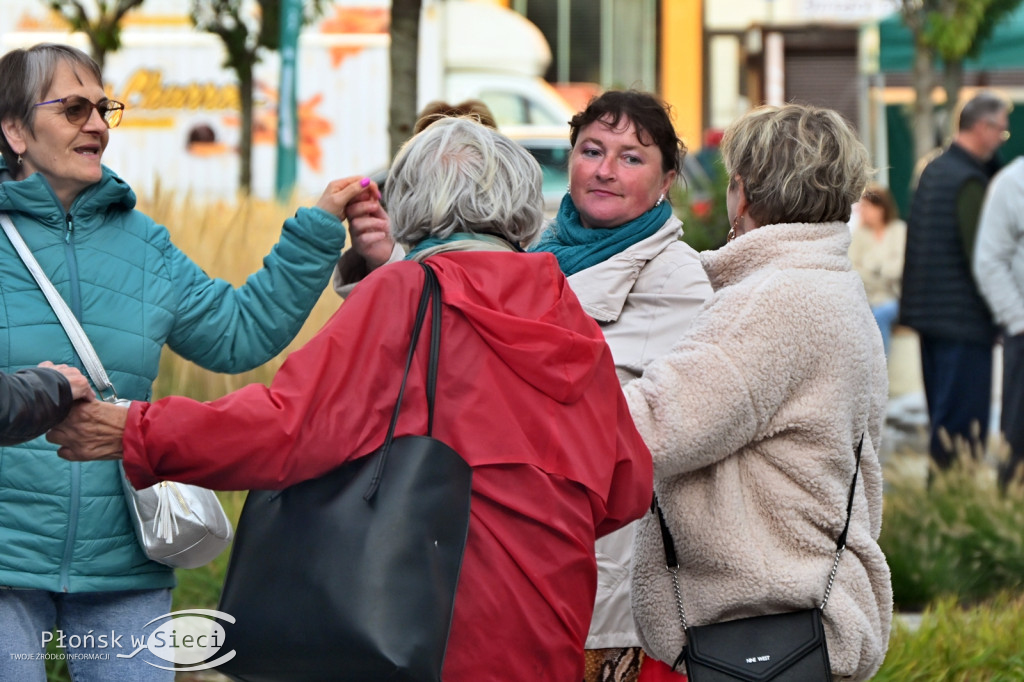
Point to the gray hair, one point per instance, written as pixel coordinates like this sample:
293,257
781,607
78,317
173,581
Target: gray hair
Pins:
27,75
982,107
799,164
459,176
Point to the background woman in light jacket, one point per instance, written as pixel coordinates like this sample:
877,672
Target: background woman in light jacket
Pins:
754,416
877,246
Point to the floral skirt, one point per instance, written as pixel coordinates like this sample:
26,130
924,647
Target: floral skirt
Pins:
626,665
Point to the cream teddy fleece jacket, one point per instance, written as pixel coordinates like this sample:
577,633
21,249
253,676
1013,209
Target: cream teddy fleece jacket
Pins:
752,420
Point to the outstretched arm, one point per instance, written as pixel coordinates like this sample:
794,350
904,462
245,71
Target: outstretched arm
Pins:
232,330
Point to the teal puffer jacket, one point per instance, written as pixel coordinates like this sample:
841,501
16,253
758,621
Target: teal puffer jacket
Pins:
64,526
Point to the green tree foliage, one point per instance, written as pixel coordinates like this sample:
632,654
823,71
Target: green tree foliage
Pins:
100,22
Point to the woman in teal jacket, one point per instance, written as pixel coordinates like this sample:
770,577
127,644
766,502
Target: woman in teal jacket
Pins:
68,556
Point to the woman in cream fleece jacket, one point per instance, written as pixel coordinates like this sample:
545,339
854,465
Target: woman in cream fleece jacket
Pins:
754,417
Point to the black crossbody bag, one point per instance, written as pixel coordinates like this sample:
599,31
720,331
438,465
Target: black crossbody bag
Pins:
783,646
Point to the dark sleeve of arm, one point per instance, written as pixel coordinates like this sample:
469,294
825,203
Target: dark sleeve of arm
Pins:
32,401
968,210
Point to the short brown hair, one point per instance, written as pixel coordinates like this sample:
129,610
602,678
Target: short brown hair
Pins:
882,198
798,163
471,108
644,110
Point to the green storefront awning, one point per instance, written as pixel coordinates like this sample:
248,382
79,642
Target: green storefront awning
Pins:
1003,51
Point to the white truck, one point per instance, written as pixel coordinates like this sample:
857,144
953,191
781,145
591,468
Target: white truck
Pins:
181,126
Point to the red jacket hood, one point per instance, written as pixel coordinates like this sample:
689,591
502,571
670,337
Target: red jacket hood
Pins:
522,324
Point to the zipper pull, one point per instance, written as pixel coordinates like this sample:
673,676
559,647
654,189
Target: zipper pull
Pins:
70,225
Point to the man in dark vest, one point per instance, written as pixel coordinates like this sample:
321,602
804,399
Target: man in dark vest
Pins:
941,300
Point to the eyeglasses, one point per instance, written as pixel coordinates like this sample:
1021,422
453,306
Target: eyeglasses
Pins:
1004,134
78,109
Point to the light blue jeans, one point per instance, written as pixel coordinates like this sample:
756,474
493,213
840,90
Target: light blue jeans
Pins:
96,627
885,315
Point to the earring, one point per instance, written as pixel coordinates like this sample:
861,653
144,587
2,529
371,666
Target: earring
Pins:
660,200
19,159
732,229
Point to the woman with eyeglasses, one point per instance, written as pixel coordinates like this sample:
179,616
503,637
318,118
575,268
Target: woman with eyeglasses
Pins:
69,559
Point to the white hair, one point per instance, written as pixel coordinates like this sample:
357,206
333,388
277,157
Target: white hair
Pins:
460,176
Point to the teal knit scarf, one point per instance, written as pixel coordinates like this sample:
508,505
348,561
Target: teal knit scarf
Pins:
462,241
578,248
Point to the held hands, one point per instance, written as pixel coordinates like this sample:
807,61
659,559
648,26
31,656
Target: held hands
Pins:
92,430
369,228
339,193
80,389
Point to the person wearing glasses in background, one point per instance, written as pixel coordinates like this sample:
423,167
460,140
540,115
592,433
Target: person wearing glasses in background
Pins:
941,300
69,558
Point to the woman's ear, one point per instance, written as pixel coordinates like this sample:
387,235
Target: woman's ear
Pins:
668,181
14,133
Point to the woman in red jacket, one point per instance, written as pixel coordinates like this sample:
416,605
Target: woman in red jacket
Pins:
527,394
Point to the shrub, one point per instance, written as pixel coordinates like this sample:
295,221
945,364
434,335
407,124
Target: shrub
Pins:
701,207
954,644
957,537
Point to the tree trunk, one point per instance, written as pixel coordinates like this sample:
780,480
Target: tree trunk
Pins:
952,81
924,107
245,85
98,54
404,54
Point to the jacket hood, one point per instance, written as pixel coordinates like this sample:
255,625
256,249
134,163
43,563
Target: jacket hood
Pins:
787,245
524,310
36,197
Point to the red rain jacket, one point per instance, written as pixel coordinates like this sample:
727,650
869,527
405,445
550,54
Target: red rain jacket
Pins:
527,394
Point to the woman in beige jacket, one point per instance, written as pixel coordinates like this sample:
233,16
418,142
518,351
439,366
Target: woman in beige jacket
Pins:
617,241
754,416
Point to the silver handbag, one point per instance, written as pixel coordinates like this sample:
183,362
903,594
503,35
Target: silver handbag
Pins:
177,524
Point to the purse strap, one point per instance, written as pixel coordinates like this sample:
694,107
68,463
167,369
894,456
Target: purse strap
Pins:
431,296
672,562
67,319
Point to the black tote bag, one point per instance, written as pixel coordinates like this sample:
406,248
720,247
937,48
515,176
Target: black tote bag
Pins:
352,576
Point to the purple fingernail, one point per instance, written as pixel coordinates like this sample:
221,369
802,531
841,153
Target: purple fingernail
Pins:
364,182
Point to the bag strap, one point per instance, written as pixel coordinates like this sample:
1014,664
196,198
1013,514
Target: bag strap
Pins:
431,296
67,319
841,542
672,562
